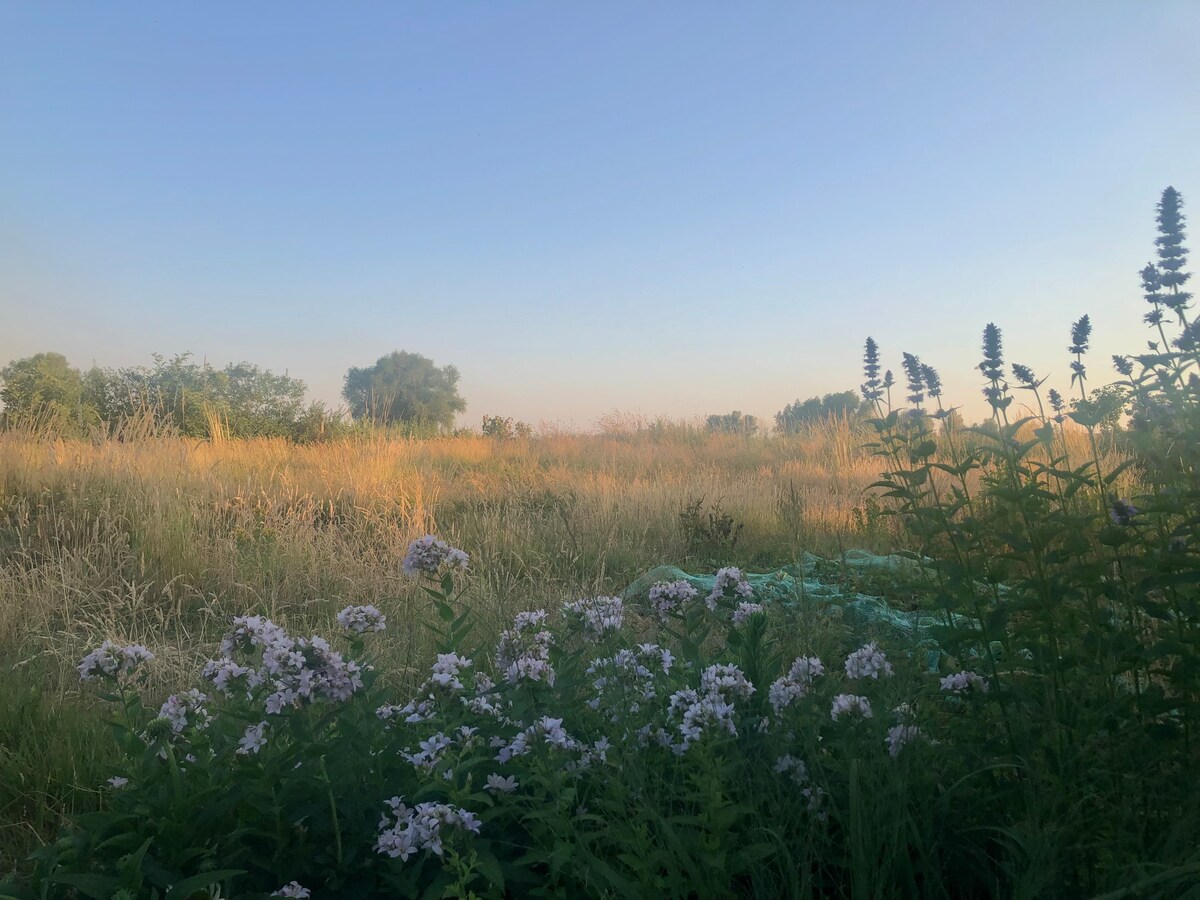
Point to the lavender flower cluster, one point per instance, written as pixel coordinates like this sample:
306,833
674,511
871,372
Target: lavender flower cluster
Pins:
188,708
745,611
626,680
523,653
730,582
361,619
667,597
868,662
597,616
111,660
711,708
445,680
427,556
292,889
962,682
409,830
296,670
795,684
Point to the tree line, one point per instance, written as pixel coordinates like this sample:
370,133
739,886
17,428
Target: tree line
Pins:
401,390
181,395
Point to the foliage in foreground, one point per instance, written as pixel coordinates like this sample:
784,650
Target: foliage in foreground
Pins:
595,761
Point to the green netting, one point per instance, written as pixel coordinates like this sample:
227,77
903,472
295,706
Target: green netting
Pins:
824,580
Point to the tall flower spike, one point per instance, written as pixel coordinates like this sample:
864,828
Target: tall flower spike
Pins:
1189,338
992,366
916,379
1123,365
1081,334
933,381
1172,255
1024,374
1152,291
871,387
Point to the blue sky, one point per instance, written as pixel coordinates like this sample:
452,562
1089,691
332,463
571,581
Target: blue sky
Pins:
675,208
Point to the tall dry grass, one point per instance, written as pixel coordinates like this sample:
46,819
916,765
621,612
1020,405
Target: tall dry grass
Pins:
160,541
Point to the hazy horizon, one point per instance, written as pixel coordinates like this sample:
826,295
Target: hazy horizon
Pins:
673,210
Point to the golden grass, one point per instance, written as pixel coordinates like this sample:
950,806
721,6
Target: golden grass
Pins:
160,541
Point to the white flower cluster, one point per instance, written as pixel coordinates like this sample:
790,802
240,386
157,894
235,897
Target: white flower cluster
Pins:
844,704
523,652
111,660
961,682
712,708
420,828
668,596
297,670
447,669
788,764
178,708
597,615
795,683
867,662
253,740
292,889
445,679
548,729
432,749
745,610
628,677
729,578
427,555
899,735
361,619
224,673
498,784
484,703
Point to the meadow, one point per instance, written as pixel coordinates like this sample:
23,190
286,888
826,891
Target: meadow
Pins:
655,661
162,541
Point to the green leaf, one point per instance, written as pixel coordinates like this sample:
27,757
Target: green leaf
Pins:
181,890
100,887
489,865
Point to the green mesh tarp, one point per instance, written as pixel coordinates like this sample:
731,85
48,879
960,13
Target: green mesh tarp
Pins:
827,581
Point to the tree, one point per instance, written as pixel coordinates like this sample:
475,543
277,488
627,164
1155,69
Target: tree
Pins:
194,397
404,387
735,422
44,390
504,427
795,415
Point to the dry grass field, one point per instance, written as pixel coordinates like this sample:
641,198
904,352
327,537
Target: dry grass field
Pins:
161,541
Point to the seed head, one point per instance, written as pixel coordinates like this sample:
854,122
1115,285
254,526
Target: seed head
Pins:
1081,333
916,379
993,354
1024,374
933,381
871,387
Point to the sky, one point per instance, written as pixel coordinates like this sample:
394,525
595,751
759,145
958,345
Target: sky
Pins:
663,209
